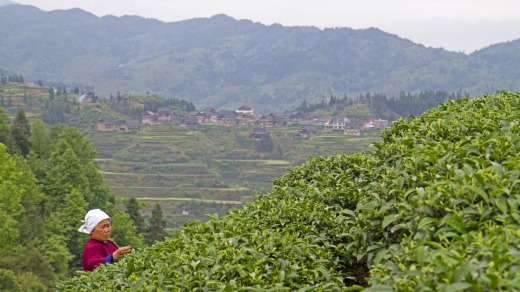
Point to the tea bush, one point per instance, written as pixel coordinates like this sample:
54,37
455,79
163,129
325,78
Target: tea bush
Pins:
435,207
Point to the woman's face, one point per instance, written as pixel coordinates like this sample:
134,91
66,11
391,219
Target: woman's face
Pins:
102,231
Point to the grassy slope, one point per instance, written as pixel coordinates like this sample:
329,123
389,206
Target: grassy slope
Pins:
435,207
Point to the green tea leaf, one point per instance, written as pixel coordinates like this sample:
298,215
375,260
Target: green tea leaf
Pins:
390,219
455,222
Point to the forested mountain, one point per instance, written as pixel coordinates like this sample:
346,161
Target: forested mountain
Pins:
223,62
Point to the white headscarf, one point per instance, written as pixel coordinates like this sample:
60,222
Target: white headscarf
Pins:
92,219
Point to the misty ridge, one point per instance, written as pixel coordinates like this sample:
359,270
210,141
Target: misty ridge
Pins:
224,63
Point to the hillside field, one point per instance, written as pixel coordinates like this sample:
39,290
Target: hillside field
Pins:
210,169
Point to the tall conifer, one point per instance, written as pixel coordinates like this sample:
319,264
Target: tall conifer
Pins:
21,132
156,231
133,210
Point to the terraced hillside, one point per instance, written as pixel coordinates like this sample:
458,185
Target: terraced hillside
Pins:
207,170
14,96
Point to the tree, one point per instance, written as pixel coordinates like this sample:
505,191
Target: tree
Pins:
72,166
157,225
10,198
31,268
51,93
70,213
65,173
21,132
5,131
124,231
8,281
39,139
31,219
54,246
133,211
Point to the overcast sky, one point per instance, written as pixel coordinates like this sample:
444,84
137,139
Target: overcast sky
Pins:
455,25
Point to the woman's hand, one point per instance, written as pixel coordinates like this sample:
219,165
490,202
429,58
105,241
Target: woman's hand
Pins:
121,251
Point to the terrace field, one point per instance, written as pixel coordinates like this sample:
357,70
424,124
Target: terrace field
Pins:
210,169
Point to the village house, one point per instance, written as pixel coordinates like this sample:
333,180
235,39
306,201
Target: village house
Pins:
355,123
305,132
271,120
257,134
164,114
310,119
200,116
376,124
245,110
244,119
244,116
294,117
150,118
130,125
106,125
210,115
189,122
336,123
227,118
88,97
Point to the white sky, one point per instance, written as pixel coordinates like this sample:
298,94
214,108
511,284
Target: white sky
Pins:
456,25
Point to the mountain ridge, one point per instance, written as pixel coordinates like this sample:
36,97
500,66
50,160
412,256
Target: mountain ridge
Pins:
221,62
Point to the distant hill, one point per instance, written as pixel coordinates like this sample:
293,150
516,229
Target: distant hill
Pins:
223,62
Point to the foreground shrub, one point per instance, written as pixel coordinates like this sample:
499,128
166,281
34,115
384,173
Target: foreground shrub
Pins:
435,207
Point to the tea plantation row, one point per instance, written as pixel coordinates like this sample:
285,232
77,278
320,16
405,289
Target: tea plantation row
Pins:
434,208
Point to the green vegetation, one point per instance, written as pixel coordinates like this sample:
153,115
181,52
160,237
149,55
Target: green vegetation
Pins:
211,163
216,165
224,62
48,181
434,207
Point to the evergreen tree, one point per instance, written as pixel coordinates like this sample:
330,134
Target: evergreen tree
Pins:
37,166
54,245
51,93
5,131
157,225
21,224
21,132
64,174
79,144
72,166
39,139
124,231
133,211
70,214
31,219
18,196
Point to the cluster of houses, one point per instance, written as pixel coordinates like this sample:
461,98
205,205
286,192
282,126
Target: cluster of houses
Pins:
162,115
243,116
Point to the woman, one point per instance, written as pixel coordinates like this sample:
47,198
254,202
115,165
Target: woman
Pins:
99,249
